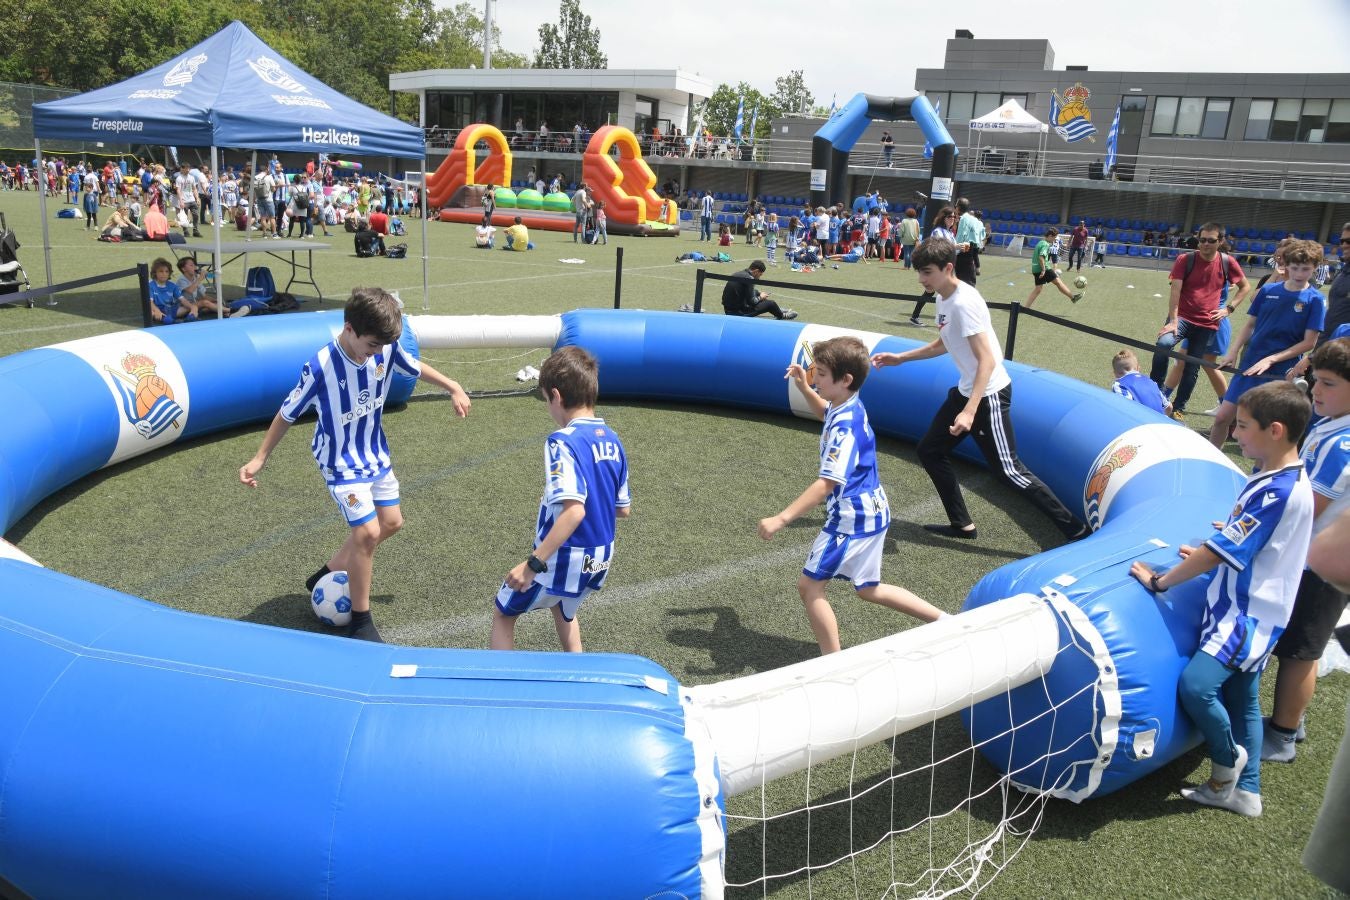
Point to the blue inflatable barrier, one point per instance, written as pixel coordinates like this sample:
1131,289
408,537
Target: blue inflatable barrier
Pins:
146,752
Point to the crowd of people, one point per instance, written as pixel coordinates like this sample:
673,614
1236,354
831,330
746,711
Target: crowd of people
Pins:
323,194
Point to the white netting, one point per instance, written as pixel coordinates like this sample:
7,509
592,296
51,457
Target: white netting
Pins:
919,814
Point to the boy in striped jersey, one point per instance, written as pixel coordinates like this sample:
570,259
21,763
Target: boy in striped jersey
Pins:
585,490
857,513
1259,553
346,383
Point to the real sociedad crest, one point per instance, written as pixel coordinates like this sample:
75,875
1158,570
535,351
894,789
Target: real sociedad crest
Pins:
1074,121
147,399
270,71
183,72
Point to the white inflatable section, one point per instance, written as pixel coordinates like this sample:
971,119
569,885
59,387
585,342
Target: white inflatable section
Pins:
9,551
772,724
454,332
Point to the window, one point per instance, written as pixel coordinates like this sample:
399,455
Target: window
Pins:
1258,120
1284,126
1165,115
1020,98
961,109
985,104
1312,125
1312,121
1202,117
1338,124
1214,125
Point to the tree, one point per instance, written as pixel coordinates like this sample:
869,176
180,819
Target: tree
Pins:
719,111
572,43
791,95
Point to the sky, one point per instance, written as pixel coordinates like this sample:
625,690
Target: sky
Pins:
876,45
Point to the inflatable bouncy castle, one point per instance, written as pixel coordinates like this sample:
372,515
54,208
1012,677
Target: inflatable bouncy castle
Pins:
612,166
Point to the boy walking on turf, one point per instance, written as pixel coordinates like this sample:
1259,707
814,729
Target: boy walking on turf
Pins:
980,405
857,513
585,490
1284,320
1260,553
346,383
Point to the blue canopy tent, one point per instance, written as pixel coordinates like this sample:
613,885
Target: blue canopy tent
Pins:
231,90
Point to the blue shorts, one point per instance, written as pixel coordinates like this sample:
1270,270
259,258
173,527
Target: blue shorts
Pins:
358,500
856,558
1241,384
572,576
267,209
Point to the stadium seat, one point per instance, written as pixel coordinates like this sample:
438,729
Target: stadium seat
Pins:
1019,216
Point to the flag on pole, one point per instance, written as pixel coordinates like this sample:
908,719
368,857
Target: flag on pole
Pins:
1111,138
928,147
754,123
740,120
1054,112
833,106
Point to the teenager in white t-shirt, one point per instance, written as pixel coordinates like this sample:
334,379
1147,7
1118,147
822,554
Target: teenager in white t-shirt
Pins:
980,405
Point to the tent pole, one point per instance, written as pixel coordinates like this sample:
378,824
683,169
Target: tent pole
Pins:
422,201
42,211
217,289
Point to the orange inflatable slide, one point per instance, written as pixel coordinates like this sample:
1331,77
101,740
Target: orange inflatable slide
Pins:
624,182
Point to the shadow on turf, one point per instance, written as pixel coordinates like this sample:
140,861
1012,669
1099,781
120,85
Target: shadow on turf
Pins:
733,648
292,611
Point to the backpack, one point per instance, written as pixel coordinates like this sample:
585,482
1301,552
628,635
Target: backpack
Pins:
301,199
397,251
397,228
1190,265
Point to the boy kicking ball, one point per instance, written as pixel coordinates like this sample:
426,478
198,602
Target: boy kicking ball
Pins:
585,490
857,513
346,383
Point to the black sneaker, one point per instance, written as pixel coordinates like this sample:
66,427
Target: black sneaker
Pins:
914,320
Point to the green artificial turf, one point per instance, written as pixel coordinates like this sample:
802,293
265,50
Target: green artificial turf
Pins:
694,588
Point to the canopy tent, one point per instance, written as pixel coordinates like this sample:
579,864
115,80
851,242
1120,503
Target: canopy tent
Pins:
1010,118
231,90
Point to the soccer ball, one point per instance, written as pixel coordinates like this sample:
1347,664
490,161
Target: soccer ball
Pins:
1080,282
331,599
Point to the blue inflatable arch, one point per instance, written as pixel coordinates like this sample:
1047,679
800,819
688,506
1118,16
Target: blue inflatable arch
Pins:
831,145
153,753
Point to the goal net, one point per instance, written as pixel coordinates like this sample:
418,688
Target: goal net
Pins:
848,775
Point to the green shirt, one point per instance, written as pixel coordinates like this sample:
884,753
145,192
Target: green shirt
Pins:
1040,256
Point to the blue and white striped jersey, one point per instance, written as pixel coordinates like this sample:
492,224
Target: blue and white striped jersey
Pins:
1326,456
1263,546
584,461
349,443
848,456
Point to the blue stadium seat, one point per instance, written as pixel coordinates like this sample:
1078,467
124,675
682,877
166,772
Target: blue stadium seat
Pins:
1018,216
1237,232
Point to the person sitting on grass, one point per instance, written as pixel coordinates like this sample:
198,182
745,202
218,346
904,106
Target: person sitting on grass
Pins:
857,514
741,298
345,382
585,491
168,306
1283,322
192,282
1043,270
484,234
1134,385
1260,553
518,237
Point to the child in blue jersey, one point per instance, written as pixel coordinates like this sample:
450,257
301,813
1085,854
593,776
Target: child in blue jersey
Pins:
1259,553
585,490
1134,385
771,239
1319,604
857,513
346,383
1283,322
167,302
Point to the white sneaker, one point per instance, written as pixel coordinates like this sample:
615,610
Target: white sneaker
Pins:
1242,802
1211,412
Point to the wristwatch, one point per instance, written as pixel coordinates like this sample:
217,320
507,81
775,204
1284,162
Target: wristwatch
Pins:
537,566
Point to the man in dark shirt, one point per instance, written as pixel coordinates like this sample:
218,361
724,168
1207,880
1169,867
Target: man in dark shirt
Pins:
1338,295
740,298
